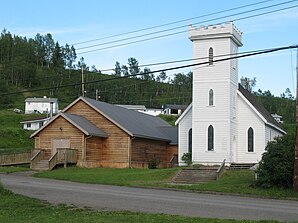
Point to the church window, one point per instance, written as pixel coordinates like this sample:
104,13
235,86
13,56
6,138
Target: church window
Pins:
210,56
210,97
210,138
190,141
250,140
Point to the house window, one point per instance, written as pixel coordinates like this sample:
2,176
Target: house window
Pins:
210,56
190,141
210,97
28,125
210,138
250,140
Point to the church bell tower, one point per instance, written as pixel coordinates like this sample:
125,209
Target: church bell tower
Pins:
215,84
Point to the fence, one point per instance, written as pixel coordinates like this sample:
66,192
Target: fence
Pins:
15,159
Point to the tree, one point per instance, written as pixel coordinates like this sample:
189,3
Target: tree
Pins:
248,83
82,64
162,76
276,168
70,56
133,66
57,58
49,48
124,70
146,74
93,69
117,69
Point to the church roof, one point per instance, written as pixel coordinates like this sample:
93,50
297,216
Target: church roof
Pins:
259,107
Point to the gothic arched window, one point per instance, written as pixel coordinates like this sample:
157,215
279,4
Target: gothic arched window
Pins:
210,138
210,56
190,141
210,97
250,140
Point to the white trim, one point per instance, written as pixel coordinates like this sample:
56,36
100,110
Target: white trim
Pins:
183,114
259,114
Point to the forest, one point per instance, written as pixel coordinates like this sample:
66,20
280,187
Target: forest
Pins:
34,67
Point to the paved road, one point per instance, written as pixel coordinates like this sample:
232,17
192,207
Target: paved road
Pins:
102,197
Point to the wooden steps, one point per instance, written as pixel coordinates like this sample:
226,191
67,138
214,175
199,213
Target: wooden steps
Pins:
203,174
241,166
41,165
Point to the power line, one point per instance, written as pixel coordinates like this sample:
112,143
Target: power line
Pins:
183,31
171,23
157,71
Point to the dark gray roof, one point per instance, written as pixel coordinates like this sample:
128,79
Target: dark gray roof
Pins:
172,133
133,107
170,106
85,125
136,123
54,100
260,108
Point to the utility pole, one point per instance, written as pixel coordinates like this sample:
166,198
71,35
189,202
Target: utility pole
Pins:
83,83
96,94
296,146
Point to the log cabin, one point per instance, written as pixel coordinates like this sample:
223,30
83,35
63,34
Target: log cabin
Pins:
91,133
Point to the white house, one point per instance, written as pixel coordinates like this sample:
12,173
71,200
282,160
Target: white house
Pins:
41,105
224,120
35,123
143,109
169,109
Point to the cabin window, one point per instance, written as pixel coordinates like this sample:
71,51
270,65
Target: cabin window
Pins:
210,56
250,140
210,97
190,141
210,138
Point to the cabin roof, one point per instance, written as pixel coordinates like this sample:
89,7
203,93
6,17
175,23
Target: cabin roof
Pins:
136,124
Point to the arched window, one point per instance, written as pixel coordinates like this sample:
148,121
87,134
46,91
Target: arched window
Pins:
210,97
250,140
210,56
190,141
210,138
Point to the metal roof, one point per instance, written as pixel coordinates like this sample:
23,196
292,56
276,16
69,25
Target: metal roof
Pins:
135,123
85,125
260,108
133,107
41,100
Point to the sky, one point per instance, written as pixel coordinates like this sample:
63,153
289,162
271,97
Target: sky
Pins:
73,22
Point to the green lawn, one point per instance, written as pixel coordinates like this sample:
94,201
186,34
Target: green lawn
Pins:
14,139
13,169
237,182
19,209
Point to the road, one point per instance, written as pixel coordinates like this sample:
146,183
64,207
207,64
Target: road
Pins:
105,197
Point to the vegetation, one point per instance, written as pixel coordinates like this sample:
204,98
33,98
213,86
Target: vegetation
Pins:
18,209
236,182
187,158
13,169
277,165
13,138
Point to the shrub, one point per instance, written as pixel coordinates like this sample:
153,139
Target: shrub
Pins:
153,163
187,158
276,168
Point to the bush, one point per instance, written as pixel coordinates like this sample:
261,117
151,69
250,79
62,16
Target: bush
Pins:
153,163
187,158
276,168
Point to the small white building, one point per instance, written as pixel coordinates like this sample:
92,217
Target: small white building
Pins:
174,109
41,105
277,118
34,124
143,109
224,120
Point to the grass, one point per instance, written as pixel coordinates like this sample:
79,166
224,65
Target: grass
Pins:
234,182
18,209
14,139
13,169
120,177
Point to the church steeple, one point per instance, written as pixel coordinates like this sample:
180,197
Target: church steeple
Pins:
215,90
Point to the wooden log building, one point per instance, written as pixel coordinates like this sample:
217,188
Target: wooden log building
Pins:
99,134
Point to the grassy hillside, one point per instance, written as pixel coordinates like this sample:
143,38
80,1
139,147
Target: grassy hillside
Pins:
13,138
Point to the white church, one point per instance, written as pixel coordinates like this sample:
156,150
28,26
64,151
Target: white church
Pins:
224,120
